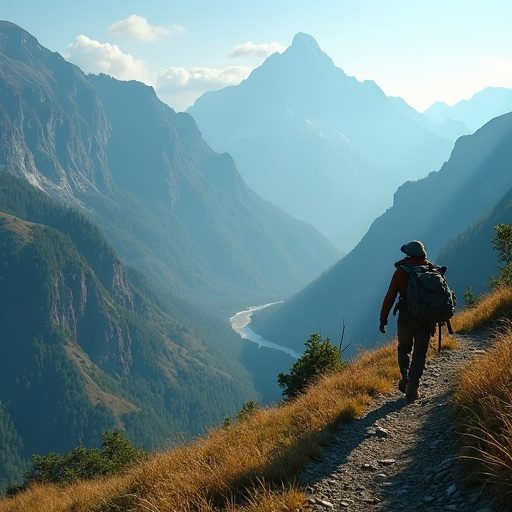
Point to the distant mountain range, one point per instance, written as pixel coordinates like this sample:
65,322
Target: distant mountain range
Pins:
323,146
475,112
327,148
452,211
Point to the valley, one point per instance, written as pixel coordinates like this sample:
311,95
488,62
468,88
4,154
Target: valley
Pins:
130,233
240,324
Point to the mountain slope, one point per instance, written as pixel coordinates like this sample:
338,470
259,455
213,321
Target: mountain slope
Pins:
474,272
84,349
446,128
434,210
53,127
167,202
248,243
478,110
323,146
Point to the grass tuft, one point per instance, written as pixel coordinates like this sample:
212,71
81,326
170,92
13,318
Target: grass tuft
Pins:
487,313
482,413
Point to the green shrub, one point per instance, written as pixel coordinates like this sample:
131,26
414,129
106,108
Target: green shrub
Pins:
503,244
82,463
320,358
470,299
248,409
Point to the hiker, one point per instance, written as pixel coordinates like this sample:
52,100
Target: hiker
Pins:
413,335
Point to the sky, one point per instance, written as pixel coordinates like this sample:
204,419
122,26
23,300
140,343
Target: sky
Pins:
421,50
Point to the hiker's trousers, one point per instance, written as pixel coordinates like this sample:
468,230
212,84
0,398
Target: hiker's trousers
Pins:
413,337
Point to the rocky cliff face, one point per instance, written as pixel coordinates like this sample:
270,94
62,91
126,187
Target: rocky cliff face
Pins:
64,293
54,129
82,308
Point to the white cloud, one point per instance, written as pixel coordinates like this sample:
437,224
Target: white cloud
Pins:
95,57
255,50
138,27
180,87
201,78
177,86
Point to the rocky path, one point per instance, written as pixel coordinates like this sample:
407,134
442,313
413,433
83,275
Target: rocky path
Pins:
400,456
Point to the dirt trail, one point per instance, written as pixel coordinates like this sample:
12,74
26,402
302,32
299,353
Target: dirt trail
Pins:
400,456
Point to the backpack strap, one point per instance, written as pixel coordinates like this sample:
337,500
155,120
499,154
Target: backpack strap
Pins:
410,268
429,265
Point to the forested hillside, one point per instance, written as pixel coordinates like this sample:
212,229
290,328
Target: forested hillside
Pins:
84,349
468,253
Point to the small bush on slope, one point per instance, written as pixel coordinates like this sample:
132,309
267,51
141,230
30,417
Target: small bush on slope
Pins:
115,454
319,359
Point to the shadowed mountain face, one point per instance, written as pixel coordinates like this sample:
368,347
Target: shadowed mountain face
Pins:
470,255
434,210
167,202
325,147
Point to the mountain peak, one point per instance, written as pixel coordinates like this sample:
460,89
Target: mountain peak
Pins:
303,39
17,44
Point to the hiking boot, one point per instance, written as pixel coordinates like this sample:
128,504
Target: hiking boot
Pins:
402,384
411,393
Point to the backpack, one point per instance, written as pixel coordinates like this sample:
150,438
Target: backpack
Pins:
429,298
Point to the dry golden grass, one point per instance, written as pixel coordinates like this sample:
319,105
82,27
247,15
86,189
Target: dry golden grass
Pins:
229,466
249,466
483,416
486,313
79,497
22,228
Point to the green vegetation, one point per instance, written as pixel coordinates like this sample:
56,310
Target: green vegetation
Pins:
248,410
502,243
470,299
85,349
116,453
320,358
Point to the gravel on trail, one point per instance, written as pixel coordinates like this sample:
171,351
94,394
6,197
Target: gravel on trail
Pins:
400,456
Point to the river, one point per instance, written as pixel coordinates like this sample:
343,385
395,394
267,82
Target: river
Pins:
240,323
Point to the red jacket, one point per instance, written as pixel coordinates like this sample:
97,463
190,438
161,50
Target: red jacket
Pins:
398,285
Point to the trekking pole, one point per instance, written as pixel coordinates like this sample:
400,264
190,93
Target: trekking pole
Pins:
439,340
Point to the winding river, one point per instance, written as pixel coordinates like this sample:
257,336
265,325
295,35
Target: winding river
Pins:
240,323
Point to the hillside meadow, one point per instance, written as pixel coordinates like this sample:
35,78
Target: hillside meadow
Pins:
253,464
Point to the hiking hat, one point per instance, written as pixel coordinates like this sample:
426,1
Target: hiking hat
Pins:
414,248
